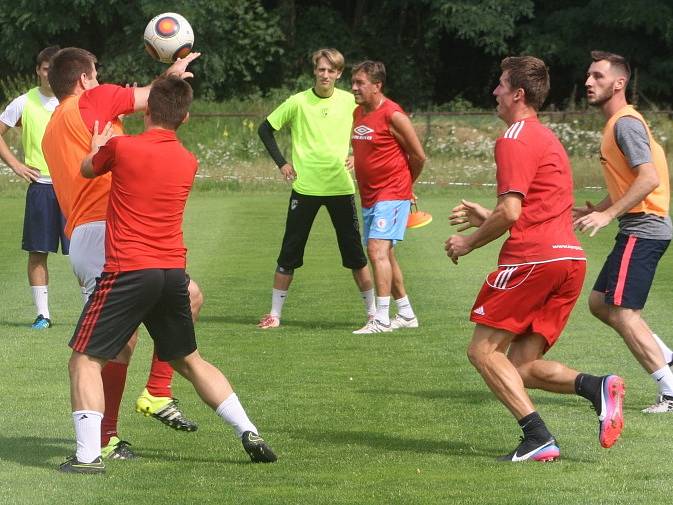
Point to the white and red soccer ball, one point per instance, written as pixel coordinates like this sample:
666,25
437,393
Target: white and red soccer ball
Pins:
168,36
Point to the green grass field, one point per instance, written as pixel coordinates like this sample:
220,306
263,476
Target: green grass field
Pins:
383,419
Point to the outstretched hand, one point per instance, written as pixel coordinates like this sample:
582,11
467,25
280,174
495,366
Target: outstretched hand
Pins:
468,214
179,68
98,140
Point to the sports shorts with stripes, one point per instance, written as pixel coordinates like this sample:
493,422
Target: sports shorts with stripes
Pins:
158,298
628,271
532,298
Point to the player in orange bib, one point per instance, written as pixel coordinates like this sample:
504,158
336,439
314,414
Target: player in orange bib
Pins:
636,175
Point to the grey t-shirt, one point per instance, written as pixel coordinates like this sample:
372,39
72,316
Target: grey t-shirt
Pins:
632,139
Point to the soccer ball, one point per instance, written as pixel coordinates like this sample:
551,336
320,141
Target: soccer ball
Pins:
168,36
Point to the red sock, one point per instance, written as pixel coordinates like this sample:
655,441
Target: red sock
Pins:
114,380
161,375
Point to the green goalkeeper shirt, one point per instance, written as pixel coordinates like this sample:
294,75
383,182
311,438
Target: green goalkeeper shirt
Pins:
321,130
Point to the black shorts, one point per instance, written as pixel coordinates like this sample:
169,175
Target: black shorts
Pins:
301,212
628,272
157,298
43,221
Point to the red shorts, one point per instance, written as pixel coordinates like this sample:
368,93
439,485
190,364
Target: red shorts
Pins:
529,299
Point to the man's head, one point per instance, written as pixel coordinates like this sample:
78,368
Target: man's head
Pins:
72,71
42,64
524,82
367,81
328,64
608,76
169,101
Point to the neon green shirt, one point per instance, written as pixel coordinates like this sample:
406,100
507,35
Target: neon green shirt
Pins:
321,130
34,120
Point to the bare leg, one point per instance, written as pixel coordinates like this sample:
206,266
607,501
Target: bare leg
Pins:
378,251
397,290
38,274
363,278
210,384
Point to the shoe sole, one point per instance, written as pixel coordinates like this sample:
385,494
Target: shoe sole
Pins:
547,455
170,424
611,427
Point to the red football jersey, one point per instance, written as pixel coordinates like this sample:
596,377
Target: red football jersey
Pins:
531,161
381,165
152,174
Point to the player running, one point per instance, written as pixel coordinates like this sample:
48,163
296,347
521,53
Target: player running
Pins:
388,159
636,175
67,140
524,305
144,278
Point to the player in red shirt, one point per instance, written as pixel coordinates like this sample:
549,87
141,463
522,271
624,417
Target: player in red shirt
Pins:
144,278
388,158
66,142
525,304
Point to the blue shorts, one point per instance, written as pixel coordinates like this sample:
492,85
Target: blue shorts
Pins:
43,221
386,220
629,269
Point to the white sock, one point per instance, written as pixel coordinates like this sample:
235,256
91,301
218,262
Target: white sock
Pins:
404,308
277,300
87,432
85,295
665,350
664,379
383,309
232,412
41,300
369,300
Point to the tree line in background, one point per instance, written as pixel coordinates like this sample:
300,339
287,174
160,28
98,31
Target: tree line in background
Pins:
442,54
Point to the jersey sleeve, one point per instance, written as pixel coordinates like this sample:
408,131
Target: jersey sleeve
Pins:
515,166
11,116
103,160
632,139
105,103
283,114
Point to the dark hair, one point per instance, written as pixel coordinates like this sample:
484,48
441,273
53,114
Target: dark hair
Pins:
169,101
615,60
46,54
531,75
375,70
66,66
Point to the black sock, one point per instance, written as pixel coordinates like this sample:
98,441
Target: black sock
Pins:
589,387
534,428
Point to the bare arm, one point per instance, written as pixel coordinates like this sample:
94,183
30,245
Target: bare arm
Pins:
98,140
404,133
501,219
23,171
646,181
179,68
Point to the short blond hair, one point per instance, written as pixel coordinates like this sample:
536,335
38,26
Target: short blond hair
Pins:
335,58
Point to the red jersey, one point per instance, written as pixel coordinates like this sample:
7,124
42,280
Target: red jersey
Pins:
381,165
531,161
67,141
152,174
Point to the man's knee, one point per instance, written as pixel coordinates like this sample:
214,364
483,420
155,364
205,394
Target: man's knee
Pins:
195,297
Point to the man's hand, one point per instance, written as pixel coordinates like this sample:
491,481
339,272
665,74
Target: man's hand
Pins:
592,222
288,172
579,212
98,140
350,163
179,68
468,214
27,173
457,246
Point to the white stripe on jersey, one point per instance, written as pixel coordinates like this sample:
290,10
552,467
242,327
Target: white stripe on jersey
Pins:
502,277
514,130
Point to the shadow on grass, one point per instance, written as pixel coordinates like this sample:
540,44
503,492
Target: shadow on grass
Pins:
287,324
386,442
161,455
35,451
461,395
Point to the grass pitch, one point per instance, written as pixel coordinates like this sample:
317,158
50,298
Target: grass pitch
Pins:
382,419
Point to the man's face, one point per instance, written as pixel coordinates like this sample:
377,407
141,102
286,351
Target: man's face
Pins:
42,71
600,83
504,96
364,90
325,74
91,80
